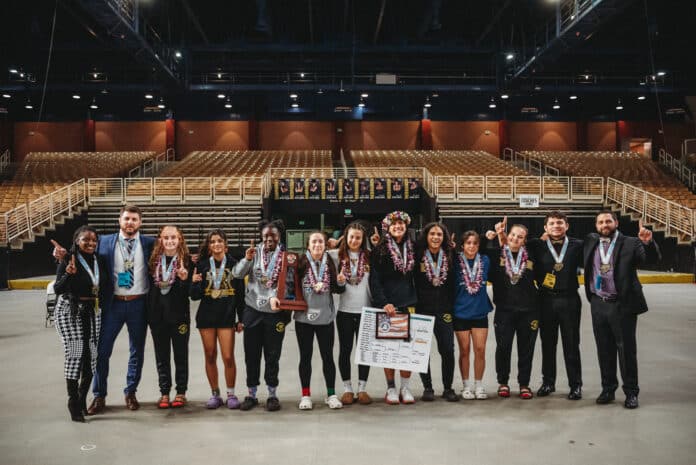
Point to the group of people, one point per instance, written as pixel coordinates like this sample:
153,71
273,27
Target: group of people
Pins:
129,278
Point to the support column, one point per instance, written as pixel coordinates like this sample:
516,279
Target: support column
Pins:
426,134
503,136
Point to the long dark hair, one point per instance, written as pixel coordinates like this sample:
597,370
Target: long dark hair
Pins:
74,248
343,248
303,263
422,241
204,249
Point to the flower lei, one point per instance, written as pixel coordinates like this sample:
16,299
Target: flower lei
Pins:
508,265
393,216
345,267
312,279
429,273
276,268
472,287
399,264
172,275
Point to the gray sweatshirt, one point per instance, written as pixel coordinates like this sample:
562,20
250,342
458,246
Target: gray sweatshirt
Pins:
257,294
356,296
320,307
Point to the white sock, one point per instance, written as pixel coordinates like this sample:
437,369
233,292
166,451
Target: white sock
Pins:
479,383
362,385
348,386
230,391
467,384
405,382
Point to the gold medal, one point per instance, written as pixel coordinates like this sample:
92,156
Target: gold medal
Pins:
128,264
318,287
264,279
215,293
95,291
604,267
515,279
436,281
353,281
558,266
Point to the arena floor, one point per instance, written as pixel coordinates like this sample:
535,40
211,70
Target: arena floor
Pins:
35,427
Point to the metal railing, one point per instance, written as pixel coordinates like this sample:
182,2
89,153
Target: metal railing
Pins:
4,160
678,169
510,188
26,218
675,218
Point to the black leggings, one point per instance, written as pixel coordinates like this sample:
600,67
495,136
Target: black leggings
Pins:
508,324
305,340
168,337
444,334
265,338
348,325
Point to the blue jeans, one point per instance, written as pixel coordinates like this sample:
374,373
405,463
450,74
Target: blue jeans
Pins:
133,315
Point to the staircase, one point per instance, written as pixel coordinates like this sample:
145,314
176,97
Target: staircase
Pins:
239,220
458,209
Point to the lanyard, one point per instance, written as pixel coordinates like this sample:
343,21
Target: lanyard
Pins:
605,257
515,267
167,270
558,258
217,274
319,276
471,272
128,258
267,269
93,275
436,269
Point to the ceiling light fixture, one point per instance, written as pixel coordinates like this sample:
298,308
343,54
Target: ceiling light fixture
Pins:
6,95
177,54
295,105
13,71
619,106
641,97
76,96
661,73
573,97
492,104
363,95
221,96
556,105
509,56
149,96
505,96
293,96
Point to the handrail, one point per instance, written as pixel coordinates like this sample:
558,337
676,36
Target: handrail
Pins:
682,172
652,208
5,160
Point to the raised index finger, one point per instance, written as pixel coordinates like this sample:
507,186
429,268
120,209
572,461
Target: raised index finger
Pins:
640,224
55,244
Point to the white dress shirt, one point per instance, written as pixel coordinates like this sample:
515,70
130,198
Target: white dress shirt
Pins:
141,283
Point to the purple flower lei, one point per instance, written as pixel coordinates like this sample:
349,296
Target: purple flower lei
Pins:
443,269
472,287
345,267
523,263
312,279
399,264
158,272
394,216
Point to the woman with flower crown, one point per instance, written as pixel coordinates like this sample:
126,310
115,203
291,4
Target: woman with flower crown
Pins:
434,282
392,287
471,309
319,280
516,309
352,260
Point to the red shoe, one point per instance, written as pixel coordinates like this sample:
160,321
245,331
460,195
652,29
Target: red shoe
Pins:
163,402
504,390
179,401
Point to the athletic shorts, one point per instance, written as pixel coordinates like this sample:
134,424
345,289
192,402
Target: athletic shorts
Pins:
466,325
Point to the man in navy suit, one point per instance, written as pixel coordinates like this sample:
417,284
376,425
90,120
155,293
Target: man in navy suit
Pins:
122,301
616,299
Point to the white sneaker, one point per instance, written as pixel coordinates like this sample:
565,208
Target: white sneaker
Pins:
480,393
391,397
333,402
407,396
468,394
306,403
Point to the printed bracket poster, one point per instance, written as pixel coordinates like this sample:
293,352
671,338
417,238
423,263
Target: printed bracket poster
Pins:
412,355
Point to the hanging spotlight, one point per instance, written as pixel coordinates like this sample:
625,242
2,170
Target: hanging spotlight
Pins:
320,91
293,96
221,96
28,105
94,106
427,103
14,71
76,96
161,104
641,97
556,105
228,104
509,56
573,97
177,54
149,96
295,105
505,96
6,96
302,75
492,104
661,73
619,106
363,95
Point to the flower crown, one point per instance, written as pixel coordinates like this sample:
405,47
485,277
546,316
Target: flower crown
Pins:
394,216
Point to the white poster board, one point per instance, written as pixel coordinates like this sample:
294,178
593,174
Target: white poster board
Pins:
529,201
411,355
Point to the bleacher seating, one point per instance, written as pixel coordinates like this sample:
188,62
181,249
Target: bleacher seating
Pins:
41,173
631,168
438,162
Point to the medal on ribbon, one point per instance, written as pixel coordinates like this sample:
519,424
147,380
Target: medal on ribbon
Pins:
216,275
605,256
558,258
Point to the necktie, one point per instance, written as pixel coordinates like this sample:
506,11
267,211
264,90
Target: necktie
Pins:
130,243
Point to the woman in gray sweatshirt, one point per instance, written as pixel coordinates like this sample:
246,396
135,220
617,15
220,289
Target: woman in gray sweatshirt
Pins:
319,281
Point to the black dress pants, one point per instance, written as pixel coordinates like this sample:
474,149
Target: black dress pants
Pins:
507,324
444,335
615,335
264,337
348,326
166,337
560,311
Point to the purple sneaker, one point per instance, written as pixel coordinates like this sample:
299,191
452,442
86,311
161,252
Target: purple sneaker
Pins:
232,402
214,402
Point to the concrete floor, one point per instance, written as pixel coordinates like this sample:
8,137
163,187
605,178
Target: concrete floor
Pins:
35,428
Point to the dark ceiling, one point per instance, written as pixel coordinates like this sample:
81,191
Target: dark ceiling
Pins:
256,53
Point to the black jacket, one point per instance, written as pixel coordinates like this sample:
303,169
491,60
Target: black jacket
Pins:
433,300
387,285
512,297
173,307
629,253
567,278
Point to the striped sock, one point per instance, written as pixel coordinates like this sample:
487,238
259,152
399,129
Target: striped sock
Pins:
362,386
305,392
252,391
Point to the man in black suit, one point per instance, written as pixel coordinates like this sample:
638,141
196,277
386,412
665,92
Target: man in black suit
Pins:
616,298
558,260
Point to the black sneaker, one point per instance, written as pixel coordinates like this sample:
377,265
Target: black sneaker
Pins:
249,403
545,390
272,404
449,395
428,395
